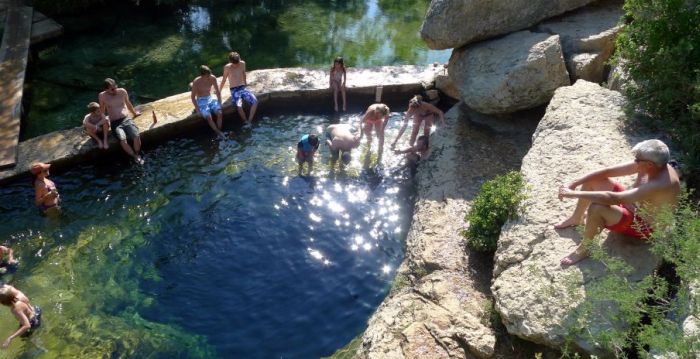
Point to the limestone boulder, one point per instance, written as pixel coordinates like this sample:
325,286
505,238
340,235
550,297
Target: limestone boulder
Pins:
513,73
455,23
444,83
587,38
537,298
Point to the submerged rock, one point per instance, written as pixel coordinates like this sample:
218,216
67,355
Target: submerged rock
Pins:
537,297
516,72
587,37
455,23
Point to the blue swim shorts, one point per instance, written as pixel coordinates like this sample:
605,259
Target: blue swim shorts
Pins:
240,94
208,105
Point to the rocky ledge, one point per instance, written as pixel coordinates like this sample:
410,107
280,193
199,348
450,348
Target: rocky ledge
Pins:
536,297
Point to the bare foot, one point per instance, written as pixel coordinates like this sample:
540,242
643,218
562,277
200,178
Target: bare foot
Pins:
569,222
139,160
575,257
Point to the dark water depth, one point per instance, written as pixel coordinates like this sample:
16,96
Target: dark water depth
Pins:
212,249
155,54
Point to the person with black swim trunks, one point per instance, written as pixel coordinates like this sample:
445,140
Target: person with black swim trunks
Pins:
28,315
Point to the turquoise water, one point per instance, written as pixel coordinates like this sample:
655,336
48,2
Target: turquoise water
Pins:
212,249
155,54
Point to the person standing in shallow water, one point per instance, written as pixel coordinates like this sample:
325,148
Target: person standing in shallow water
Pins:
421,111
46,195
338,76
115,101
375,118
202,100
28,316
306,150
605,203
234,73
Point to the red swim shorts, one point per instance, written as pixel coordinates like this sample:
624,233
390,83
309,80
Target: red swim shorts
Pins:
630,224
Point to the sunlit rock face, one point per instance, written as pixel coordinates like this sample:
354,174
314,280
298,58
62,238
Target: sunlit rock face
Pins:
538,298
455,23
587,37
513,73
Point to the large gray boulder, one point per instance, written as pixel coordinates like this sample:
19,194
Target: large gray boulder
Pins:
516,72
455,23
587,38
537,297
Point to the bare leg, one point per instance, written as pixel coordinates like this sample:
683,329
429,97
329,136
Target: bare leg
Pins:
581,206
127,148
242,114
214,127
342,90
599,216
368,134
93,134
414,132
105,131
252,112
311,165
219,120
380,134
335,96
137,145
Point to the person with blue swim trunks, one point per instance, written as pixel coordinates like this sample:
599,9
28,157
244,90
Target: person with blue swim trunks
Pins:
306,150
204,103
234,73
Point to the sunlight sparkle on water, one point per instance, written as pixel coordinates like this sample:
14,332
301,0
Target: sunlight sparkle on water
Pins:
386,269
314,217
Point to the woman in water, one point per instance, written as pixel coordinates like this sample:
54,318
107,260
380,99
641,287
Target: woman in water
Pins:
421,112
376,117
337,81
45,194
28,316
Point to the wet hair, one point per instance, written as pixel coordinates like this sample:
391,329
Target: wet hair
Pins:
339,60
652,150
415,101
204,70
234,57
425,140
109,83
93,106
382,109
313,141
346,157
7,297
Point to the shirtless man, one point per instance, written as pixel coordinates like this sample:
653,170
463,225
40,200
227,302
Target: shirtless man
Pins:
339,138
607,204
115,101
202,100
234,73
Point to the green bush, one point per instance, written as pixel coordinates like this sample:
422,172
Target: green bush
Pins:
660,50
497,201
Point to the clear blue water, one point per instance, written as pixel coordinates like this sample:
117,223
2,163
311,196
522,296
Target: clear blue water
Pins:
210,250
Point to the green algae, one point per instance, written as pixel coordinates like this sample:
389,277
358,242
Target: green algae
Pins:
89,292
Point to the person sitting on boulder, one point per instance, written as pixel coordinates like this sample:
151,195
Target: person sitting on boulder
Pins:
96,124
607,204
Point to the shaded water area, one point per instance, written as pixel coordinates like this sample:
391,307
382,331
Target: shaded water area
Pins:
212,249
155,54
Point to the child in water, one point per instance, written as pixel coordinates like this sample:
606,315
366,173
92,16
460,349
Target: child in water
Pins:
337,81
415,152
306,149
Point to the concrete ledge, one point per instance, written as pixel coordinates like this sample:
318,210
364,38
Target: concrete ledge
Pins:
277,90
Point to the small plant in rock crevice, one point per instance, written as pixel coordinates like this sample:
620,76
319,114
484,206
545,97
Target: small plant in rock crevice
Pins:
498,200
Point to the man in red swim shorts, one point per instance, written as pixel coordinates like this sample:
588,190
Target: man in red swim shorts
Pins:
607,204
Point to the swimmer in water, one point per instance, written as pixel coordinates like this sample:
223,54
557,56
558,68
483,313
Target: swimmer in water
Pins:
28,316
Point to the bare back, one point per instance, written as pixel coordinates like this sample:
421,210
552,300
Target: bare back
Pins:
115,105
201,86
342,137
234,74
661,191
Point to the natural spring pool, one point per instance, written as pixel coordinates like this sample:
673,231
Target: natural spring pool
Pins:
211,249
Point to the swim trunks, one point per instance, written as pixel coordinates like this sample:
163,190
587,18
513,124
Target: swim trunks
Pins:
208,105
630,224
34,321
240,94
124,128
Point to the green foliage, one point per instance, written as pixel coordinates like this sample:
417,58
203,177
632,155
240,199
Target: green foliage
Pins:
649,309
660,50
498,200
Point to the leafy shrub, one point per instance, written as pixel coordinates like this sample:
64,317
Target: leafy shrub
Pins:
497,201
660,49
